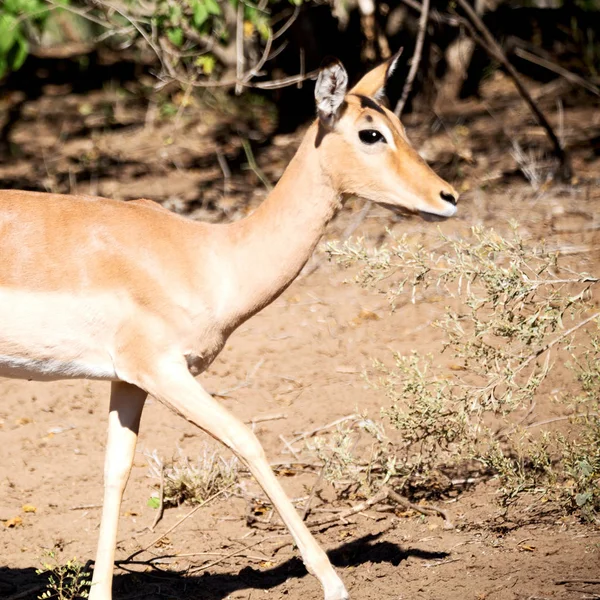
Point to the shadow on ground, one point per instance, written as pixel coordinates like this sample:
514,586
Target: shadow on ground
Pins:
25,584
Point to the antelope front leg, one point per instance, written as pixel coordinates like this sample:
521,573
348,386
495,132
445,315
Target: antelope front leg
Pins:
173,385
126,404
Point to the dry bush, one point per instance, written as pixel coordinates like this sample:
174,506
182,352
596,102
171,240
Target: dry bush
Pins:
196,481
513,314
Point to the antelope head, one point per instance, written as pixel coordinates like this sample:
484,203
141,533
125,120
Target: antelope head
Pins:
364,148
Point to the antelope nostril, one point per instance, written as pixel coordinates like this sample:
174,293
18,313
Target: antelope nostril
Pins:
448,198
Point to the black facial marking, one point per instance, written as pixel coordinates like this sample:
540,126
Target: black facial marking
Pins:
366,102
369,118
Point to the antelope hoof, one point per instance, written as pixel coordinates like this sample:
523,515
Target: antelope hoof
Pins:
339,593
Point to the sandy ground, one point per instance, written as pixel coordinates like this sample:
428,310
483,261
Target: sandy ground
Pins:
302,358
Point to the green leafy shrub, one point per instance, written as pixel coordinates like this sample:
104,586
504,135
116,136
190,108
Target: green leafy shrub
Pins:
67,581
19,20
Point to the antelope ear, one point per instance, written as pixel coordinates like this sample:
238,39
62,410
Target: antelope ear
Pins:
373,83
331,88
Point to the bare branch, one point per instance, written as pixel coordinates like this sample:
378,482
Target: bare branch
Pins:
416,59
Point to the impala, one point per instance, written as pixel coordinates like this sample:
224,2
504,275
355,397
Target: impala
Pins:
131,293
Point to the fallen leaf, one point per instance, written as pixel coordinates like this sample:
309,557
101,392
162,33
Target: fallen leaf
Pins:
266,564
14,522
28,508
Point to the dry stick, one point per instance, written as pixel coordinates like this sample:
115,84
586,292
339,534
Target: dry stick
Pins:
382,495
551,66
193,511
275,417
494,49
376,499
496,382
230,555
565,418
565,581
420,509
313,491
313,432
416,59
161,499
239,47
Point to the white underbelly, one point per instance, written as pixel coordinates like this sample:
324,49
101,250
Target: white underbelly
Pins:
50,369
48,336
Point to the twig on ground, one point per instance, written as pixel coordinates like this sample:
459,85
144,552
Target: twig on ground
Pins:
565,418
382,495
184,518
247,382
567,581
291,449
230,555
265,418
313,491
161,499
307,434
429,510
85,506
416,58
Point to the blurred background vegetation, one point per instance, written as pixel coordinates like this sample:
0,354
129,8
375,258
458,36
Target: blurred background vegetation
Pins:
270,45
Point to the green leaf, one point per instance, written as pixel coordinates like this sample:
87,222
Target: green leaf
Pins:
19,53
212,6
207,63
581,499
153,502
175,36
175,14
200,13
8,32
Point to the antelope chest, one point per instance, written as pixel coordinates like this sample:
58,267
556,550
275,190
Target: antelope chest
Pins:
201,354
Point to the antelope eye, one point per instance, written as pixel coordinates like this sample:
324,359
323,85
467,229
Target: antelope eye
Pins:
370,136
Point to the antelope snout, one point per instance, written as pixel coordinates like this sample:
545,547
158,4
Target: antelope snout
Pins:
449,196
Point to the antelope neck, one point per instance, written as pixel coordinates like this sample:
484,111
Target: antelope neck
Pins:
270,247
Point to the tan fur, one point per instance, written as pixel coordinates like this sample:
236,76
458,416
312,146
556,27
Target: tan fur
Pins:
129,292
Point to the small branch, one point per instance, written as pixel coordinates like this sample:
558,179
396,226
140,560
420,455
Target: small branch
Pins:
494,49
227,556
428,511
266,418
499,380
566,581
184,518
313,432
381,496
565,418
254,166
313,491
416,59
547,64
161,499
557,339
85,506
376,499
